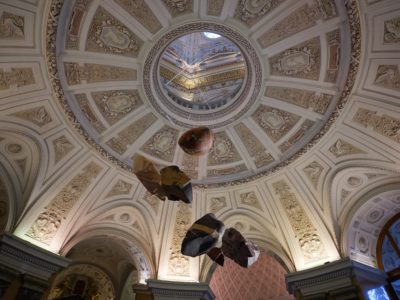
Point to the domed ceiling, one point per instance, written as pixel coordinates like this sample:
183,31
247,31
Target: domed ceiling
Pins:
133,76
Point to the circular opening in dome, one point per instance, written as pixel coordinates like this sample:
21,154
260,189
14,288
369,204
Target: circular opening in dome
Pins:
211,35
202,71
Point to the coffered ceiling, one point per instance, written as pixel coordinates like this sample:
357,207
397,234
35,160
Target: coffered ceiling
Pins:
305,159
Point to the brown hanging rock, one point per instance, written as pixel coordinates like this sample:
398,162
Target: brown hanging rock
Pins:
197,141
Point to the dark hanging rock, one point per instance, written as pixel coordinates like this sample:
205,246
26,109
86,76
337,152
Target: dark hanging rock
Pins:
203,235
197,141
237,248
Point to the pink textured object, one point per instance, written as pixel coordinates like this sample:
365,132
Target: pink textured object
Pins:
264,280
197,141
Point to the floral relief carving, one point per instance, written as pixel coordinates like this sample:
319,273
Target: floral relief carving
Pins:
303,18
226,171
45,227
120,188
177,7
162,144
77,17
374,215
306,233
384,124
341,148
250,12
392,31
275,122
251,199
129,134
178,264
388,76
114,105
255,148
92,73
108,35
295,137
303,98
214,7
217,203
11,26
141,11
333,39
37,116
86,108
190,164
223,150
16,77
153,201
62,146
313,171
302,61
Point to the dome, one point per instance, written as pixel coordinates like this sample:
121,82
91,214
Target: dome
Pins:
133,86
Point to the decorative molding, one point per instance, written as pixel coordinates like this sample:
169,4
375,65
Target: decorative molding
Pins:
38,116
392,31
178,264
341,148
16,77
11,26
306,234
45,227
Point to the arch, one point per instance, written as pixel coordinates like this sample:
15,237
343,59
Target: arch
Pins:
365,219
21,166
140,254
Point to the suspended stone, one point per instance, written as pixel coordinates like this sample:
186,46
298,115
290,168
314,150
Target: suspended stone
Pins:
169,183
237,248
202,236
176,184
197,141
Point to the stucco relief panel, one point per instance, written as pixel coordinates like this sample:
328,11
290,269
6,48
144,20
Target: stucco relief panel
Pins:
46,226
223,150
115,105
179,7
162,144
108,35
250,12
275,122
141,11
88,112
129,134
301,61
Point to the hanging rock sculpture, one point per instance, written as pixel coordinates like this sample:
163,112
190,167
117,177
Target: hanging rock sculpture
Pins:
197,141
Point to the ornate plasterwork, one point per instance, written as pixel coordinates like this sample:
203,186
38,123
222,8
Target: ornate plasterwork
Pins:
62,146
178,7
388,76
250,12
120,188
214,7
303,98
216,204
301,19
333,39
38,116
223,150
162,144
129,134
108,35
153,201
250,199
190,165
392,31
75,23
141,11
275,122
255,148
306,234
45,227
92,73
351,7
313,171
297,136
16,77
302,61
341,148
226,171
11,26
85,107
382,124
178,264
114,105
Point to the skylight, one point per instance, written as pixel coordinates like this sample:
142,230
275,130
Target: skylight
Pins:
211,35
